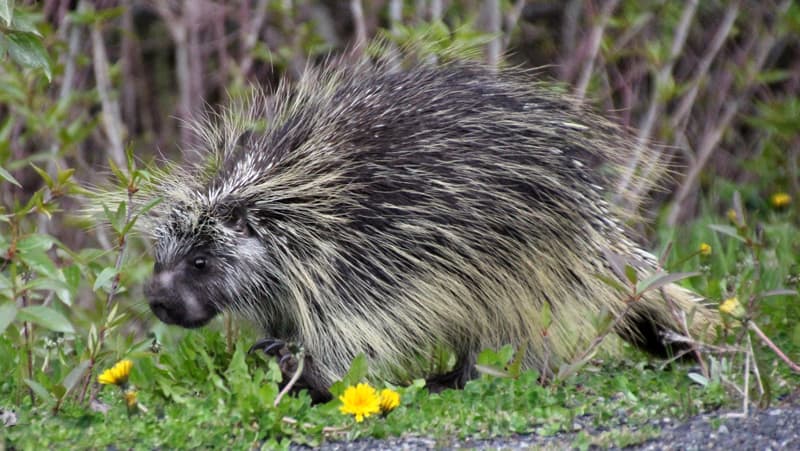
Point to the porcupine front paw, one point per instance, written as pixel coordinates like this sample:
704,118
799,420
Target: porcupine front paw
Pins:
280,349
288,363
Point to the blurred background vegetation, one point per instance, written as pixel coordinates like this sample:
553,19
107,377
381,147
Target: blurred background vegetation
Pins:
715,85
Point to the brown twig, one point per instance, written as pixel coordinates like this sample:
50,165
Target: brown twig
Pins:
662,79
595,37
752,326
251,33
111,119
295,377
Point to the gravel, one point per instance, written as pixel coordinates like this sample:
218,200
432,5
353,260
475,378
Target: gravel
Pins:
776,428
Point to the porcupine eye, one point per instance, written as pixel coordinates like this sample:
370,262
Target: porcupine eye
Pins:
199,262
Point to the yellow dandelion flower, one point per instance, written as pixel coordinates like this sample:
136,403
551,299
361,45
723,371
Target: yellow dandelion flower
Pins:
705,249
117,374
360,401
732,307
780,200
389,401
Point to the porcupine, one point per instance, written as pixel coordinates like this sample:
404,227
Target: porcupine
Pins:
393,212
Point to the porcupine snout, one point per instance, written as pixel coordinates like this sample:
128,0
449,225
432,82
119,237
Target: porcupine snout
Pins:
174,302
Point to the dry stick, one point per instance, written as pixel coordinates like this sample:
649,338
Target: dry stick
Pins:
111,119
680,316
295,377
710,140
594,39
511,22
178,30
687,101
325,430
357,11
395,21
662,78
490,16
251,34
581,359
436,10
755,367
569,33
746,397
673,337
752,326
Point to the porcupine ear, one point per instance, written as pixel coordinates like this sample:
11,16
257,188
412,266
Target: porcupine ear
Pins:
238,221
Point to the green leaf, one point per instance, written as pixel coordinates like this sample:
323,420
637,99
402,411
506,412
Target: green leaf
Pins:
630,274
36,242
46,317
727,230
5,175
27,50
144,209
24,21
117,218
64,176
491,370
612,282
58,391
8,312
75,375
39,261
72,276
658,280
39,389
44,175
7,11
356,374
54,284
546,315
104,277
777,292
699,379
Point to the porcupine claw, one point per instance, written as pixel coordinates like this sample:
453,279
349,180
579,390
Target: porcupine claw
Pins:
277,348
269,345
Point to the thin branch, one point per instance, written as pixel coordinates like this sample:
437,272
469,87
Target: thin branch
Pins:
662,79
595,38
295,377
357,10
252,31
752,326
112,121
512,18
491,19
701,72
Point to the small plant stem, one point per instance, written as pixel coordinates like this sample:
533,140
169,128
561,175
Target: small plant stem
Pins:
327,430
596,341
755,366
122,242
28,352
752,326
298,372
746,391
595,39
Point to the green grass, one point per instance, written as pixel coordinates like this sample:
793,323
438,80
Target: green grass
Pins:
225,400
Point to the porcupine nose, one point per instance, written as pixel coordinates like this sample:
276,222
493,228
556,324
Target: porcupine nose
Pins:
159,300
